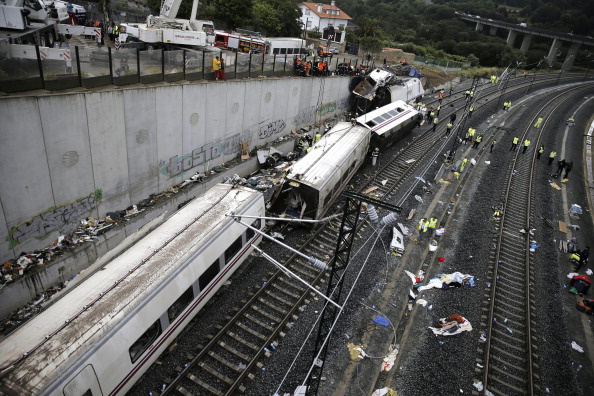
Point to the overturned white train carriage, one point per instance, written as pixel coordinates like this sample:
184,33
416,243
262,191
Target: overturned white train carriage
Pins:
390,123
314,182
100,337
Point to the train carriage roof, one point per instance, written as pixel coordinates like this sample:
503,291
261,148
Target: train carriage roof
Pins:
162,250
388,117
327,155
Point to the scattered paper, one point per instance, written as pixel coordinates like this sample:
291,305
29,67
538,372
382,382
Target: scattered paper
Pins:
422,302
578,348
478,386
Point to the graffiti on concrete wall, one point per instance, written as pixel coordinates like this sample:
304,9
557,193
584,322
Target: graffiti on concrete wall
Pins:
63,218
179,164
271,128
309,114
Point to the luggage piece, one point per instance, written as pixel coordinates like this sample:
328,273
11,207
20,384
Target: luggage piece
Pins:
583,308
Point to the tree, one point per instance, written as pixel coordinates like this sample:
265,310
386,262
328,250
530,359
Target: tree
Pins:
234,13
265,18
474,61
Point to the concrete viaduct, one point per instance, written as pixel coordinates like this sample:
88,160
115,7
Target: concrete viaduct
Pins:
575,41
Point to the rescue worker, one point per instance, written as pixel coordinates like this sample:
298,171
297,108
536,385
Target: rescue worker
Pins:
560,166
471,94
216,67
463,164
514,145
526,144
441,95
493,143
538,122
423,226
435,121
438,110
457,175
449,128
540,151
478,141
470,110
568,168
318,137
493,79
374,156
432,225
508,105
552,156
570,121
467,94
504,106
583,257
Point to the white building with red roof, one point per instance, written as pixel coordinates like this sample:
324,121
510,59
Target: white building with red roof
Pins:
326,17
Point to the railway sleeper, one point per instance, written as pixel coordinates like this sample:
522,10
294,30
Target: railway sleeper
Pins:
512,358
266,314
508,374
278,298
243,341
251,331
257,321
224,361
215,373
234,351
507,385
183,391
204,385
293,285
272,306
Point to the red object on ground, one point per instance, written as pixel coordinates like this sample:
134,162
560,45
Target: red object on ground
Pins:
441,259
584,278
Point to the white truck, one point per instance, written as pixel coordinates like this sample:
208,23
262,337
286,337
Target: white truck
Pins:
35,21
166,29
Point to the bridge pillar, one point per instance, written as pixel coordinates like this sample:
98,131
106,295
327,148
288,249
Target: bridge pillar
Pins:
511,38
553,51
526,42
570,58
479,27
493,30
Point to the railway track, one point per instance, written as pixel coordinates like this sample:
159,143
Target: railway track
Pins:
223,365
509,355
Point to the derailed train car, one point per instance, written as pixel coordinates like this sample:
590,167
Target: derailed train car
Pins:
316,180
390,123
381,87
101,336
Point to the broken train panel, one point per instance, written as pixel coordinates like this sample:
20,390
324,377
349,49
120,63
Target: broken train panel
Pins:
314,182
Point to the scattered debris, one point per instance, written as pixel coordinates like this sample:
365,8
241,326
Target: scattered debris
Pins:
578,348
445,281
389,360
381,320
452,325
384,392
422,302
356,351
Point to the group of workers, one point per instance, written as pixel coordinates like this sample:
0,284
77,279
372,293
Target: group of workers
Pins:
307,68
306,143
427,227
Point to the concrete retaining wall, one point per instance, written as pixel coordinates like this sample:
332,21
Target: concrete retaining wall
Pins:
69,156
65,157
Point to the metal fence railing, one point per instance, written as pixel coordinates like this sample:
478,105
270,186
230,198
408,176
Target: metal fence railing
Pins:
101,66
438,62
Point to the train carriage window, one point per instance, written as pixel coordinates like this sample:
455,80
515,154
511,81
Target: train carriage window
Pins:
249,234
233,249
275,51
180,304
145,341
208,275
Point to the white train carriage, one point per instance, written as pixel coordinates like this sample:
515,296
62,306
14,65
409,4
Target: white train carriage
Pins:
390,123
316,180
99,338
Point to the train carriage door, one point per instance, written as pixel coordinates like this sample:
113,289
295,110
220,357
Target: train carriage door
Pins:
84,384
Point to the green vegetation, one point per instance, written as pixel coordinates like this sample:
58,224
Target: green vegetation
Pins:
430,30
